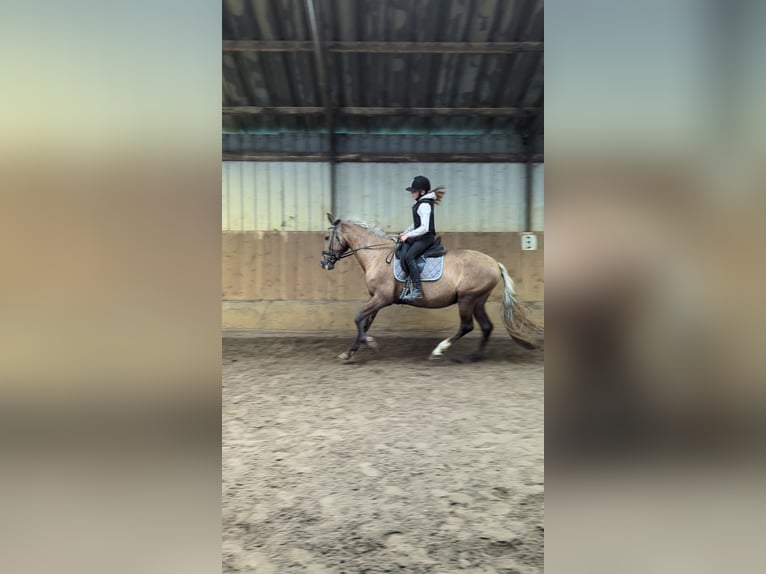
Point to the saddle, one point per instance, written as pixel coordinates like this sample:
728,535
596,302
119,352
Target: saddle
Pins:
436,249
430,263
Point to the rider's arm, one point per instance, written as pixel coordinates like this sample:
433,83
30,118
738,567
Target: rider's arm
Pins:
424,211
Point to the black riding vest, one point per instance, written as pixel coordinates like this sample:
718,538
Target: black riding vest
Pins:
416,217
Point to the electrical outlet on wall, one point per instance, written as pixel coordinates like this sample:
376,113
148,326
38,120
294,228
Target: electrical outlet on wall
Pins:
528,242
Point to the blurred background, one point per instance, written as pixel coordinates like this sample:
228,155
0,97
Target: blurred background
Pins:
655,194
654,374
110,206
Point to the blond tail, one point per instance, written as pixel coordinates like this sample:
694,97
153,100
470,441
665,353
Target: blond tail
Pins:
521,329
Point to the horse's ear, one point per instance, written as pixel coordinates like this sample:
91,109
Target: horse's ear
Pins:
330,218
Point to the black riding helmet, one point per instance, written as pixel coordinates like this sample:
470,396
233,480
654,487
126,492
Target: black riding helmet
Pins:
419,183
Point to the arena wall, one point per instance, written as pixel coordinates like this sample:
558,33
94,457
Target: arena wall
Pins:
272,282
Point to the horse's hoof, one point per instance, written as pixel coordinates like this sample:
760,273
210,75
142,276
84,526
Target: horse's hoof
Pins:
433,357
475,357
344,356
372,344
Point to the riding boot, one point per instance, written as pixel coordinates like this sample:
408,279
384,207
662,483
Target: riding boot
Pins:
416,293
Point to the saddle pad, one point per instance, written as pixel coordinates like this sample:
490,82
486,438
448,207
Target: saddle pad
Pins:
431,272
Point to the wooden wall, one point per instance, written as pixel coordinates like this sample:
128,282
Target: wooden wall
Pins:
262,267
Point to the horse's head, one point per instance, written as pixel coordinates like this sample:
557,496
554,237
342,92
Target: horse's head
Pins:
335,245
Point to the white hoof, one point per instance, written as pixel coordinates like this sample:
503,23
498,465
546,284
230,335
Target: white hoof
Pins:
345,356
372,343
440,348
435,356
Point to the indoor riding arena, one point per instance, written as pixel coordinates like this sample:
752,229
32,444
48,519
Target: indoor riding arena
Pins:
390,460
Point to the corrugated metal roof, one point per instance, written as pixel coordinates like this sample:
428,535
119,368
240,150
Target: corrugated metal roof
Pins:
427,80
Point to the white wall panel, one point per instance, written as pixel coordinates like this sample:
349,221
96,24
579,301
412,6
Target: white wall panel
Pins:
294,196
480,197
225,190
538,197
248,206
281,196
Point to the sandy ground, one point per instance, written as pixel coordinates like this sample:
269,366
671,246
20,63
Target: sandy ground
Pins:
391,463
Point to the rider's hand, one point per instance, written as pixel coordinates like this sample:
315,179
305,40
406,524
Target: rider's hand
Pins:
403,237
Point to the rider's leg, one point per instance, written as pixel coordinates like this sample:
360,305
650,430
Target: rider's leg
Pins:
417,248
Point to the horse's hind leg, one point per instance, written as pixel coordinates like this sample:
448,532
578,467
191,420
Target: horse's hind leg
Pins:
486,329
466,326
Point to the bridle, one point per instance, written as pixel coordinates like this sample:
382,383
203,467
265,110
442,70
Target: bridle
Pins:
329,257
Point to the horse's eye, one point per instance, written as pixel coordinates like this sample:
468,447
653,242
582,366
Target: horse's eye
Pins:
326,237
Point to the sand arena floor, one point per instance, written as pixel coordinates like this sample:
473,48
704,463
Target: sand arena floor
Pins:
390,463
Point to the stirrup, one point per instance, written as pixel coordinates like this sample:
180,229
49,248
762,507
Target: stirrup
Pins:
414,295
405,294
411,292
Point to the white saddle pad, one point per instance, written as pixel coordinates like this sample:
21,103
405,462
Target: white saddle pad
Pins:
431,272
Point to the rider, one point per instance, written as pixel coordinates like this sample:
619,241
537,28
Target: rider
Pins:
419,236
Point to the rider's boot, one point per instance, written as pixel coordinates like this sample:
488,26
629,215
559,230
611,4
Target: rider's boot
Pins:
416,292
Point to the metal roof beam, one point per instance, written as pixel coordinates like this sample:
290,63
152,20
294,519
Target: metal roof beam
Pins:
384,157
324,88
386,47
537,123
379,111
273,110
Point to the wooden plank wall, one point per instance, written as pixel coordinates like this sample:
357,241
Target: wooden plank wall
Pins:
284,265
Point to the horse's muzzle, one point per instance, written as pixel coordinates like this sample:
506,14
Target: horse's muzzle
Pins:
328,260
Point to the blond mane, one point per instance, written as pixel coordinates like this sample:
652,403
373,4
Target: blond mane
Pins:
374,229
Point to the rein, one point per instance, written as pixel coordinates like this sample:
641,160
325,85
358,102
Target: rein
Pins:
350,252
330,254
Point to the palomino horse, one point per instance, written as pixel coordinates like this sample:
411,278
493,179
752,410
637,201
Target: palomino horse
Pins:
468,278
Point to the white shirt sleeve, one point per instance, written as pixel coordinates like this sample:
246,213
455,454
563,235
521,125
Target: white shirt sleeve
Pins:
424,211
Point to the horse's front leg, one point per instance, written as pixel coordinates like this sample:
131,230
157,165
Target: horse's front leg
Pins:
368,340
363,321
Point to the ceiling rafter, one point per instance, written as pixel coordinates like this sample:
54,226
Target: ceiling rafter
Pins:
380,111
381,157
386,47
321,63
519,111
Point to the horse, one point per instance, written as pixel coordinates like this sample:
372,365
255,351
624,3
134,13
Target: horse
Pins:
468,279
